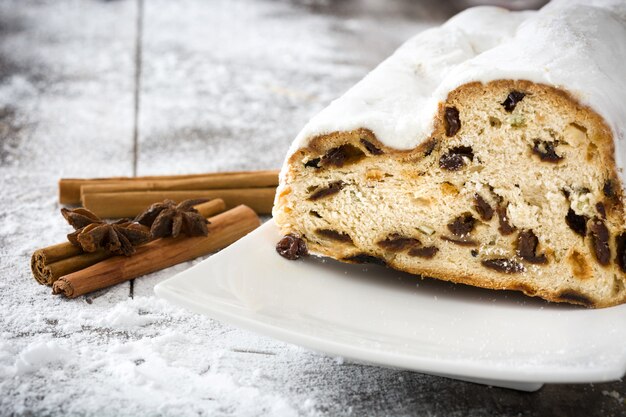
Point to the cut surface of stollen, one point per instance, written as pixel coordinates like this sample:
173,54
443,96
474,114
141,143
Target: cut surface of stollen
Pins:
488,151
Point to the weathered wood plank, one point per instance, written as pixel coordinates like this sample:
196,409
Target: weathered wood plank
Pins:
65,105
66,109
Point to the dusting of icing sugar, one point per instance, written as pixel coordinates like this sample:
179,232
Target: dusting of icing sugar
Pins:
40,354
173,372
575,45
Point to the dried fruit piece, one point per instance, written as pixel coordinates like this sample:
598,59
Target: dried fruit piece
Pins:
566,192
601,210
512,99
313,163
424,252
452,121
447,188
620,244
371,148
608,189
573,296
456,157
462,225
292,247
579,265
599,234
335,235
482,207
341,155
527,243
546,150
427,230
396,242
364,258
333,188
508,266
430,147
577,222
505,228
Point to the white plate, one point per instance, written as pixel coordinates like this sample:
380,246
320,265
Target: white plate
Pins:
376,315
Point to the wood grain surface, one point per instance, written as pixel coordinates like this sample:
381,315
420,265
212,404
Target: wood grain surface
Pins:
148,87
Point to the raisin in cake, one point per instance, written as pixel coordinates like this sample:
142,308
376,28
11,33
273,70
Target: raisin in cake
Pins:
488,151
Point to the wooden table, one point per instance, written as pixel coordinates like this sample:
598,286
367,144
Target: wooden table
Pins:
132,87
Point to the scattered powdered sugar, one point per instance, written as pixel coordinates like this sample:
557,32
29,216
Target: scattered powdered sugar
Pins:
166,368
157,377
616,395
41,355
126,316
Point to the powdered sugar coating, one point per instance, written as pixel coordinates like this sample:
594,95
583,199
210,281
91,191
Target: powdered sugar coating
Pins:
574,45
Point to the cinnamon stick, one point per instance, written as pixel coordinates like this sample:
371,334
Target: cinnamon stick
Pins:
52,272
211,207
239,180
129,204
51,263
70,188
41,258
224,229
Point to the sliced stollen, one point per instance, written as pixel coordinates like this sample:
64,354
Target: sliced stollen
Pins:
488,151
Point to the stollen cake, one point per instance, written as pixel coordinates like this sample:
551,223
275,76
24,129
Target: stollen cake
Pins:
488,151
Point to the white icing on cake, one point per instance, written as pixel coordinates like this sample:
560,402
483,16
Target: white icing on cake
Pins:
579,46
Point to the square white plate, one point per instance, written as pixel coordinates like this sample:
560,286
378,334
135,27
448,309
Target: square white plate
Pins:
376,315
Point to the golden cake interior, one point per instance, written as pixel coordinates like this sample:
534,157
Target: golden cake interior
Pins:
516,189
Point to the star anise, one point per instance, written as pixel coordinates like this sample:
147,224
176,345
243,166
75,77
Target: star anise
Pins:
79,218
171,219
93,233
120,237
